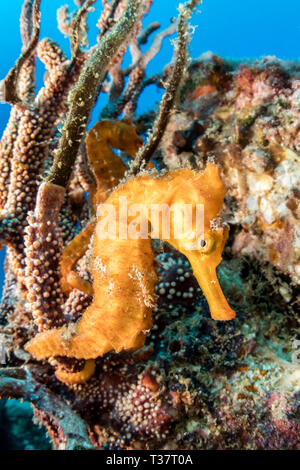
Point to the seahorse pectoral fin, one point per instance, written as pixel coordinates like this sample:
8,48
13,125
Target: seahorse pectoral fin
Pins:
208,281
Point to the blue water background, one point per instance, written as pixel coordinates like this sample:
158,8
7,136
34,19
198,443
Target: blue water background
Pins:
230,28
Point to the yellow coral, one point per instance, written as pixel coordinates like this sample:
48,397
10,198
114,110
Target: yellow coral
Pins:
123,272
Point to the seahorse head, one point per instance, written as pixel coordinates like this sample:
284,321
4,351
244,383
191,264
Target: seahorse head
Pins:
203,243
127,137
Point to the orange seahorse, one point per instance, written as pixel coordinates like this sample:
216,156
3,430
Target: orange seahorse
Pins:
123,272
108,170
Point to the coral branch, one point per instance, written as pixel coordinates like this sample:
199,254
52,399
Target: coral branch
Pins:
43,247
172,86
9,86
78,27
127,102
144,35
22,383
83,96
107,17
26,23
6,153
27,74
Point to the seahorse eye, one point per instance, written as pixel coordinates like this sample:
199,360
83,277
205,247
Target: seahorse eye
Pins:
208,244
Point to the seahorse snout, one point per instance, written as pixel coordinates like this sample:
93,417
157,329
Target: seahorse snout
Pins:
204,262
209,283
